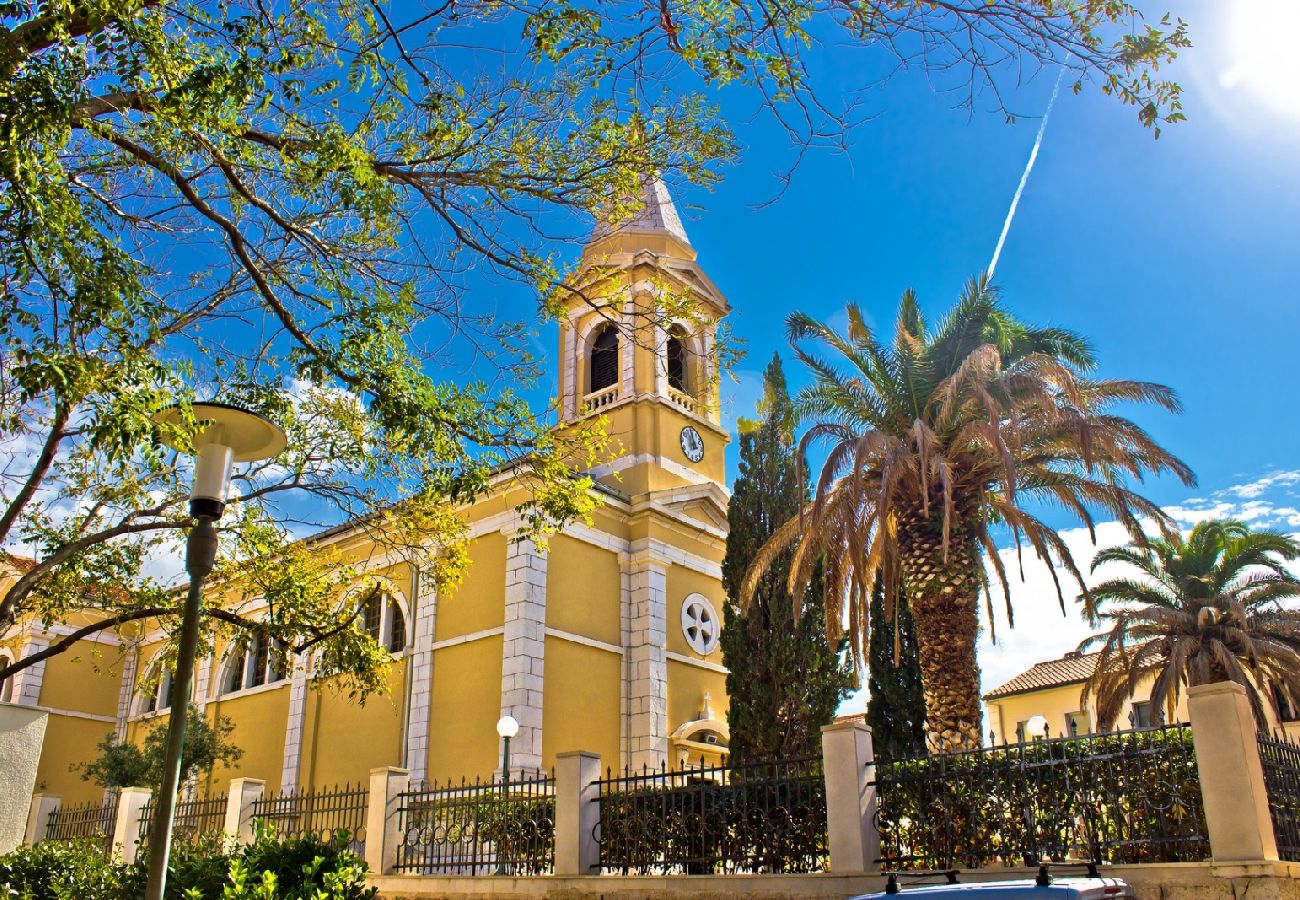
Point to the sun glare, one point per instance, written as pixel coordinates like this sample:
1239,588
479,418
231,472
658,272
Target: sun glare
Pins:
1265,47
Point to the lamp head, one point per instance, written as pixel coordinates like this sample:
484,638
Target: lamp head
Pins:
1036,725
227,434
507,726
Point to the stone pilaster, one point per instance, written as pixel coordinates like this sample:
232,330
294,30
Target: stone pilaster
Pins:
203,688
126,691
524,646
294,722
27,683
648,663
424,610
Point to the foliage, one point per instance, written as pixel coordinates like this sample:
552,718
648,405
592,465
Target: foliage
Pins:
125,764
283,202
301,869
1202,608
785,678
1125,797
896,700
760,817
474,823
932,442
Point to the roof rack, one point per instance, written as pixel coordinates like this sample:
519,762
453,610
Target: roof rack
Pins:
1044,877
891,882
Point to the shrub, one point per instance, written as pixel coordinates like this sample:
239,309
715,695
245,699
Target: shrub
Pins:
298,869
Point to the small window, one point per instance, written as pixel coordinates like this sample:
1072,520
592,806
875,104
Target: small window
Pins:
1077,723
381,618
371,613
396,628
1143,715
677,361
604,359
6,684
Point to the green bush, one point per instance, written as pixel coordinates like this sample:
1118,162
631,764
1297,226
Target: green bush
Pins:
267,869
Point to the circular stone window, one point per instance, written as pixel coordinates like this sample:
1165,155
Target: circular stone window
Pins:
700,624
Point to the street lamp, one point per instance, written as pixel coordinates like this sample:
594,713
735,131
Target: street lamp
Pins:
227,435
507,727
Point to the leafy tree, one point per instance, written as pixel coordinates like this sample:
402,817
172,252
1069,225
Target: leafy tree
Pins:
896,706
282,202
785,678
125,764
931,442
1202,608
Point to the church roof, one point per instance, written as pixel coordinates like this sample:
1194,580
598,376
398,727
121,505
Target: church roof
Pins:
1073,668
658,214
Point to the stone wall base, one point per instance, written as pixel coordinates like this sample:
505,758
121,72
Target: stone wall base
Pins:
1172,881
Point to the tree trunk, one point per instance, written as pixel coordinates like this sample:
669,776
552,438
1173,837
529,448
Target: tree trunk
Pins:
944,599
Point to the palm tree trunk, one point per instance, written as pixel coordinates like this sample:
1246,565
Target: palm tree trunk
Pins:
943,595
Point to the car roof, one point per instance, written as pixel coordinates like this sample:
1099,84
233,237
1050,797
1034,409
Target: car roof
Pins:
1059,889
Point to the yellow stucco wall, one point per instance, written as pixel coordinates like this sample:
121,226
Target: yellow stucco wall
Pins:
478,602
464,708
1055,703
259,718
86,679
580,708
68,741
682,582
583,590
345,740
686,688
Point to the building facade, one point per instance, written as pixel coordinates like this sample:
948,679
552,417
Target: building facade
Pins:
605,640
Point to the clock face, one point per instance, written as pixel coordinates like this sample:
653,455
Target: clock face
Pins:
692,444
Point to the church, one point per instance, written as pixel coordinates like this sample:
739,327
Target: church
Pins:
604,640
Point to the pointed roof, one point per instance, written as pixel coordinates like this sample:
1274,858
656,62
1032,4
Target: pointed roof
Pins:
658,214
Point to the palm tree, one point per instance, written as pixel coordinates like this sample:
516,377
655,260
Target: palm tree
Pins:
932,443
1204,608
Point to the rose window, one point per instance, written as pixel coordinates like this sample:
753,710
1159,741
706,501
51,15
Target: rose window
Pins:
700,624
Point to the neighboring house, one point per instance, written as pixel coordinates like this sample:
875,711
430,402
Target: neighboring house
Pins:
1054,690
607,642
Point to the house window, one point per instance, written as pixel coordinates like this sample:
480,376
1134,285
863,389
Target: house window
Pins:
1143,715
254,666
1077,723
382,619
6,684
677,379
603,371
160,697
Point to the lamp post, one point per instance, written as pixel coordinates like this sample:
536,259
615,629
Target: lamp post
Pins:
228,435
507,727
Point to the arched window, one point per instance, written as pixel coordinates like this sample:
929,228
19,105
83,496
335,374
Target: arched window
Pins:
381,618
258,664
159,696
6,684
678,378
604,359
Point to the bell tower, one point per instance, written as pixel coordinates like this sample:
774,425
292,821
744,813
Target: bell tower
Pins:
637,346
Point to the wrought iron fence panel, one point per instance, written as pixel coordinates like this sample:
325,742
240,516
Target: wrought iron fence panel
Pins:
84,820
479,828
322,813
192,821
758,817
1281,760
1123,797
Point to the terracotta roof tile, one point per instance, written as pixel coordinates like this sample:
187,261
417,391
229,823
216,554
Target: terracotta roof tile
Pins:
1073,668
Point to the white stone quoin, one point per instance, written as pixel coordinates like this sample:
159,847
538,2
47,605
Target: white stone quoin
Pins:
424,616
648,660
523,650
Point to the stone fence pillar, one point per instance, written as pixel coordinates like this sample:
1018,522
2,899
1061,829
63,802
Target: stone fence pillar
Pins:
1232,778
244,792
38,819
126,826
849,769
577,813
383,836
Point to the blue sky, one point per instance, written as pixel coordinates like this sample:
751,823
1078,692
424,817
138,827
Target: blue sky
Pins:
1179,258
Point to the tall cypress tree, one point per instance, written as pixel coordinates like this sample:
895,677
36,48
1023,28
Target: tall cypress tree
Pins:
896,708
785,679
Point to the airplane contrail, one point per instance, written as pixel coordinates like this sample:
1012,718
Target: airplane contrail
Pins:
1024,178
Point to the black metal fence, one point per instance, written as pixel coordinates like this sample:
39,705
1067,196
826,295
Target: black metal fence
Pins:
1124,797
322,813
479,828
193,820
761,817
84,820
1281,760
